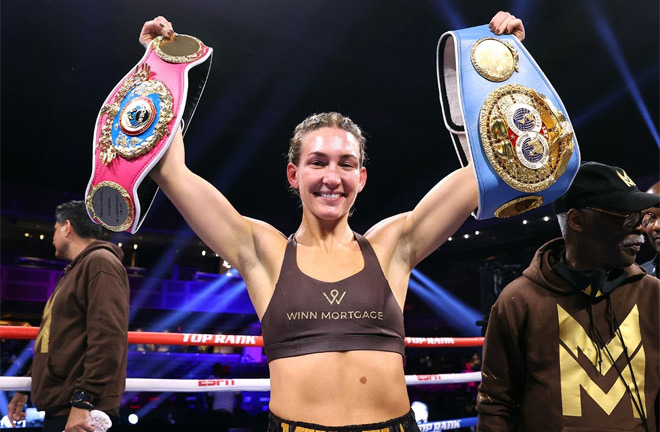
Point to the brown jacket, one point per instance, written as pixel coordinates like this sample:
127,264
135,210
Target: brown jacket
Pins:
82,340
544,368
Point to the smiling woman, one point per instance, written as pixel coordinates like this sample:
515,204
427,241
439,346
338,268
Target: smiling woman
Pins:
330,172
330,300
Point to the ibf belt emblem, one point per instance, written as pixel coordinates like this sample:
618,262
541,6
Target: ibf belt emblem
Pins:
528,135
523,118
334,296
138,118
527,141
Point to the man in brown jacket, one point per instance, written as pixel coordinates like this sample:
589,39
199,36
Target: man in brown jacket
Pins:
573,344
80,352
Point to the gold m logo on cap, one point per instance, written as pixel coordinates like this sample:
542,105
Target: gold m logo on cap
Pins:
627,180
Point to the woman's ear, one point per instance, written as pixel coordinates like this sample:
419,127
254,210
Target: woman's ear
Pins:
363,178
292,175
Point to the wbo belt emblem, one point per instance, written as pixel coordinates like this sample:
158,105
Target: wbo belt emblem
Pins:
137,116
334,297
137,119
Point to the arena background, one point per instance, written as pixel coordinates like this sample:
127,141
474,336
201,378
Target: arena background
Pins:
274,63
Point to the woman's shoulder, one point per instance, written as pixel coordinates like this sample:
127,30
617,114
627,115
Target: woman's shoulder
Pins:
388,229
385,237
261,227
269,242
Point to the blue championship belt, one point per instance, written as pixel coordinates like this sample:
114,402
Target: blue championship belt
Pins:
506,120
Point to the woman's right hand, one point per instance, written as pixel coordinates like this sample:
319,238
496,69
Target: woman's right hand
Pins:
158,26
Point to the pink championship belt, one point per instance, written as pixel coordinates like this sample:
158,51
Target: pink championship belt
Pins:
136,125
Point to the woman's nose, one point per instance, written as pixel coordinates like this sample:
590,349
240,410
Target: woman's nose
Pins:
331,177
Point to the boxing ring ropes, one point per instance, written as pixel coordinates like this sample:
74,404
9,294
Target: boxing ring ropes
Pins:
251,384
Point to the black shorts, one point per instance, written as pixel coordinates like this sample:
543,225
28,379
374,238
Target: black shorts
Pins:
404,423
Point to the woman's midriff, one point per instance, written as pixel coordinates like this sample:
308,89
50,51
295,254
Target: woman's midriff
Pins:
339,388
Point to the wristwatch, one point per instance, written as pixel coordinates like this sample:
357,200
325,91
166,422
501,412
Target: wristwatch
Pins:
82,400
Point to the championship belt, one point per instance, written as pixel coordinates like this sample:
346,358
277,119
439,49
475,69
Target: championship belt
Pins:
136,125
506,119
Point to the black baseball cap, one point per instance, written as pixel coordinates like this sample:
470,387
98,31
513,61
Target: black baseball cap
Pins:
604,186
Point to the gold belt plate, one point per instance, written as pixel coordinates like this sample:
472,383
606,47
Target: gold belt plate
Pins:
494,59
111,205
527,141
181,49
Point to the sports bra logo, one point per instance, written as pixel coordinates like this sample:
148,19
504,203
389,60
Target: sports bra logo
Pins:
334,296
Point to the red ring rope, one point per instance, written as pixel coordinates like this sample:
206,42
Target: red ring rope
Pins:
201,339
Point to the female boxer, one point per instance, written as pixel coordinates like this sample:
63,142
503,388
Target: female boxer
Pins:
329,299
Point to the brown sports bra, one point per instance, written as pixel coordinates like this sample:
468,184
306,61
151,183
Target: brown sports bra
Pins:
306,315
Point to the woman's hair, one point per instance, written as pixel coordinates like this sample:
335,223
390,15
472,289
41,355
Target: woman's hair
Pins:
318,121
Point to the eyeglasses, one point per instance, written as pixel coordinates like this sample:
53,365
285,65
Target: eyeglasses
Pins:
649,219
631,220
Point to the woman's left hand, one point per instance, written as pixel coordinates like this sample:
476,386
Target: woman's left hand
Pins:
158,26
505,23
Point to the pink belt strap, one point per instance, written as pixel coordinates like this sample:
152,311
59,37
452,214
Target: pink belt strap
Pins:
136,125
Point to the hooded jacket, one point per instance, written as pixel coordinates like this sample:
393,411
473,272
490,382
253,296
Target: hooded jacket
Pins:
651,266
547,357
82,341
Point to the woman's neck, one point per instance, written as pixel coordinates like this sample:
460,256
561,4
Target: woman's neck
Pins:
317,232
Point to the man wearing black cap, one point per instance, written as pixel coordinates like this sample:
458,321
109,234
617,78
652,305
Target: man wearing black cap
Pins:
573,344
